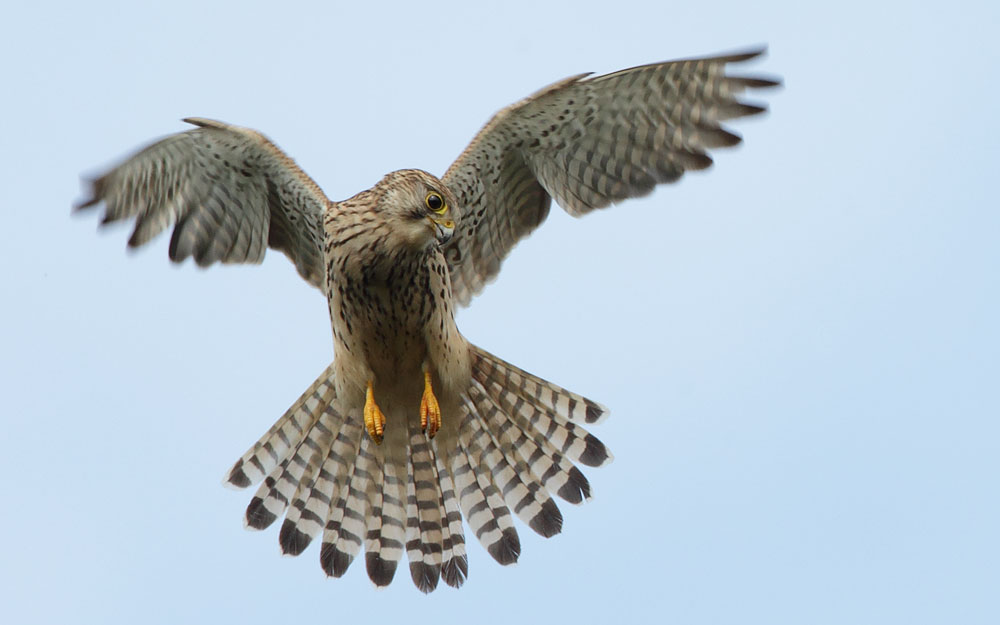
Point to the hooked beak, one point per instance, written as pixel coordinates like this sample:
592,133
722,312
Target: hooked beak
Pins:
443,229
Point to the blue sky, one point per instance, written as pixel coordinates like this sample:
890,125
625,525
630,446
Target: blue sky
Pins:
799,347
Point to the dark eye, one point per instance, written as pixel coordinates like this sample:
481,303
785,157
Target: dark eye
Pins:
435,202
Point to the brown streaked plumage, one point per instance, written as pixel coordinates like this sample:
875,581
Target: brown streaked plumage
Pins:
412,428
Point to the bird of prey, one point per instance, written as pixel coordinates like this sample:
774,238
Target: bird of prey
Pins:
412,428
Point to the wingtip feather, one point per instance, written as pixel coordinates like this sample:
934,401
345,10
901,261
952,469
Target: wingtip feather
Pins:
746,54
85,204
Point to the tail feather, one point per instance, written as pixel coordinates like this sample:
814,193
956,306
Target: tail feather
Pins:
510,444
555,472
308,514
275,446
345,528
455,563
385,529
537,391
425,577
298,475
377,569
424,535
548,428
521,489
288,479
483,507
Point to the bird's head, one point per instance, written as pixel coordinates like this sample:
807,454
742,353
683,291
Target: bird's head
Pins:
418,206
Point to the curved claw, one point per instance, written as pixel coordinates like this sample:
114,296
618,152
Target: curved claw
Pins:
430,410
374,419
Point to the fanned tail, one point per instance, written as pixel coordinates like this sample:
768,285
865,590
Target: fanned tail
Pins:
285,435
517,441
509,446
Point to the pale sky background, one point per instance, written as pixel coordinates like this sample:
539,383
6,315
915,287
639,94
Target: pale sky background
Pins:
799,347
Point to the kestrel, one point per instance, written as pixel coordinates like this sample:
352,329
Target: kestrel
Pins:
412,428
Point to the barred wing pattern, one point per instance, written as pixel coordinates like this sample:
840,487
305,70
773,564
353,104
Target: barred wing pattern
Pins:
588,143
230,192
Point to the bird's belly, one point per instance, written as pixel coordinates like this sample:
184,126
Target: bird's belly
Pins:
394,355
393,364
384,347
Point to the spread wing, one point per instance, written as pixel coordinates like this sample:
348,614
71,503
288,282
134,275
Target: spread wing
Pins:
588,143
229,193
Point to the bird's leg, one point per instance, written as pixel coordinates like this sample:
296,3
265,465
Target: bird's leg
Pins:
430,411
374,419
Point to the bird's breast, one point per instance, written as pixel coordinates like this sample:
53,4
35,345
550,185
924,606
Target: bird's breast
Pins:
380,315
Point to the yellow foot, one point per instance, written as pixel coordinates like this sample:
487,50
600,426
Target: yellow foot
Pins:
374,419
430,411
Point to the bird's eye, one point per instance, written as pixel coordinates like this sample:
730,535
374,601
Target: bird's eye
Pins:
436,203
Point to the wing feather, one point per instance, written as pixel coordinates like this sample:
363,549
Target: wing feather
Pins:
587,142
228,192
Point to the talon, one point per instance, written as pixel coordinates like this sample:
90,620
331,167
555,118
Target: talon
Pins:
430,411
374,419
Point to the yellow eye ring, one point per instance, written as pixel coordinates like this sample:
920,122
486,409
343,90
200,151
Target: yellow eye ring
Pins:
435,202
